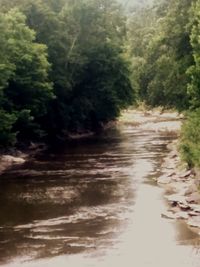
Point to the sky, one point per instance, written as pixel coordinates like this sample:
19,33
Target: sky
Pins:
134,2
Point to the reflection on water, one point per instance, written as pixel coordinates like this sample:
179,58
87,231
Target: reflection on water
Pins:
93,204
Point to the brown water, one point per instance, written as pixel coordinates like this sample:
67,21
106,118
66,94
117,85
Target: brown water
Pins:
94,203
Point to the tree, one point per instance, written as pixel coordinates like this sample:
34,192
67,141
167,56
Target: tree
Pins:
88,73
194,70
166,53
85,43
24,78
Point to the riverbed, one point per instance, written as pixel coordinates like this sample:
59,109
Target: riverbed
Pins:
95,202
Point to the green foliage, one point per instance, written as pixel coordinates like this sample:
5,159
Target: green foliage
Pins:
24,72
166,53
164,46
194,70
7,136
62,66
106,90
190,139
190,136
28,87
91,78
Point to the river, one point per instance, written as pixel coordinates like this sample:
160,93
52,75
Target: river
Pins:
94,202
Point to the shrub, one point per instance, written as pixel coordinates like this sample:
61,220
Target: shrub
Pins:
190,139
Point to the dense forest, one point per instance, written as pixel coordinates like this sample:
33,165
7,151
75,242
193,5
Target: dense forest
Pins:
164,45
63,68
72,66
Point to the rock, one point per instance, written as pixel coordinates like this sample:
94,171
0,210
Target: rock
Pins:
174,209
11,159
170,174
182,215
170,189
181,187
185,174
190,189
194,222
173,155
181,116
176,178
193,198
184,207
176,198
193,213
164,179
168,215
176,187
169,165
7,161
195,208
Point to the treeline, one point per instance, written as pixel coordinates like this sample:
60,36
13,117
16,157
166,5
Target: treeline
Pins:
163,53
164,44
63,68
71,66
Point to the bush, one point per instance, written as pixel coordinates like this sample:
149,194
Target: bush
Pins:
190,139
7,136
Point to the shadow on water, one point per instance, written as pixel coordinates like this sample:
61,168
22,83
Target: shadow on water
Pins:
90,197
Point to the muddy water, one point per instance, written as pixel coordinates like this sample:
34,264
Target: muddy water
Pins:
94,203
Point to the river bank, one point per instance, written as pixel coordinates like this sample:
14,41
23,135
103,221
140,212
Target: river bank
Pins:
182,189
14,157
181,183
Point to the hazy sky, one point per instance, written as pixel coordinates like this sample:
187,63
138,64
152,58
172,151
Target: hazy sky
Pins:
134,2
